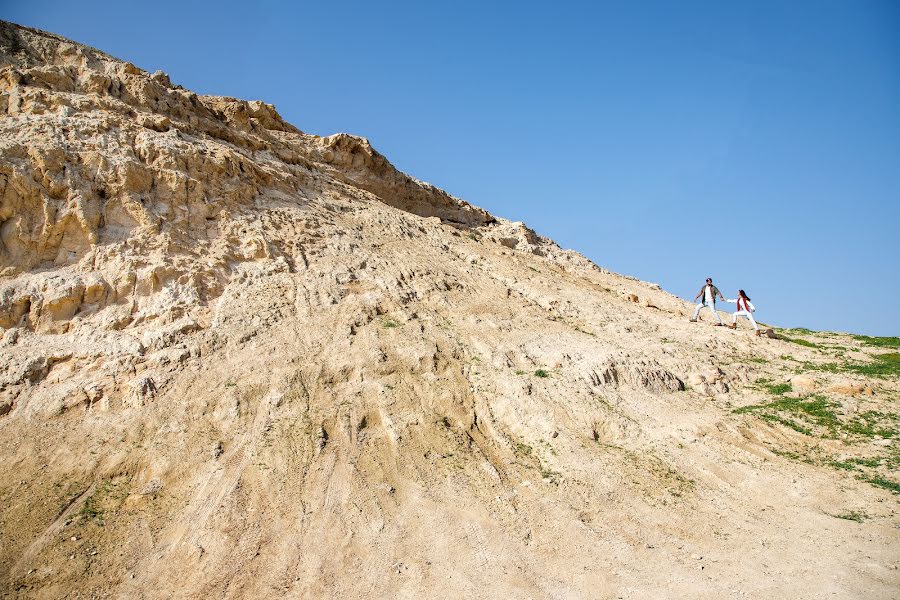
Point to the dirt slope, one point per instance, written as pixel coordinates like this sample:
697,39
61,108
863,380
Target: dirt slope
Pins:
240,361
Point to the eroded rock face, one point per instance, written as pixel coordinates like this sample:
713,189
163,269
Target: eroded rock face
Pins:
119,174
95,151
638,374
356,162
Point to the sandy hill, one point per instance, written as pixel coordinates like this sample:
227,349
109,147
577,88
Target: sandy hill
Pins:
241,361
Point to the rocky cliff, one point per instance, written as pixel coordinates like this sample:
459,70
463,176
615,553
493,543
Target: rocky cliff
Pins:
239,360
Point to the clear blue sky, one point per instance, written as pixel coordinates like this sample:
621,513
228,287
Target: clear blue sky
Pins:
756,142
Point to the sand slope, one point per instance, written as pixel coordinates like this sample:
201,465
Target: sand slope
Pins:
240,361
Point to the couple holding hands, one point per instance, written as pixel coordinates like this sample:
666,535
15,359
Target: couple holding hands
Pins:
707,297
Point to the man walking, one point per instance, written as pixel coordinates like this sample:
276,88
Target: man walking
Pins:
708,294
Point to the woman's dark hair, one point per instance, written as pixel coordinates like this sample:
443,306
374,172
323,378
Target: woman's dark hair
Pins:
744,294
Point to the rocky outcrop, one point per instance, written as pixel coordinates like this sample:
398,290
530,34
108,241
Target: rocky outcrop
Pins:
643,374
356,162
95,151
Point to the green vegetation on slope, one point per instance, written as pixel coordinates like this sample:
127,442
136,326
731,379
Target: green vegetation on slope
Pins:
817,416
881,342
882,366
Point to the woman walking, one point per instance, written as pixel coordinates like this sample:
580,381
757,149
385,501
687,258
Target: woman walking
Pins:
745,308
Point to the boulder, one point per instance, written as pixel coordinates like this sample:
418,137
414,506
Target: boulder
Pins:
804,384
848,388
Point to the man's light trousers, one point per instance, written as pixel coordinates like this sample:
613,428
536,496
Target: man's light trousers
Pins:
711,307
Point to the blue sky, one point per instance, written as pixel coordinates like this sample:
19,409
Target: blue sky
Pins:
755,142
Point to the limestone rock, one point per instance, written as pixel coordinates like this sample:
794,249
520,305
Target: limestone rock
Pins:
804,384
640,374
849,388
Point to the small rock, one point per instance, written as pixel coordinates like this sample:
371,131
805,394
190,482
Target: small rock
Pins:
142,388
713,374
162,78
93,392
10,337
847,388
276,398
152,488
805,384
696,379
155,122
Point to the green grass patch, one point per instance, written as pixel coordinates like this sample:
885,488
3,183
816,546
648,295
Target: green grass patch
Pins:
800,342
865,462
817,411
390,324
800,330
550,476
818,408
868,428
887,484
882,366
523,450
91,510
777,389
854,464
786,453
541,373
880,342
106,497
841,465
786,422
852,515
825,367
